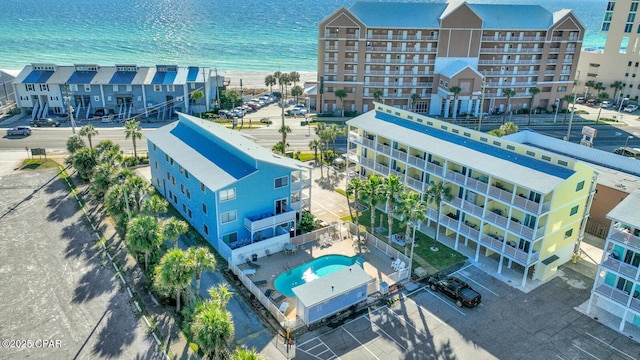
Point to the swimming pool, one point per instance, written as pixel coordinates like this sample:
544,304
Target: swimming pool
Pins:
312,270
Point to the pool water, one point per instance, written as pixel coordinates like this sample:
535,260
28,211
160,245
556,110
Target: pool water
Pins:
312,270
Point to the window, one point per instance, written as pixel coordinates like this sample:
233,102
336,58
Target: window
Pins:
511,147
170,88
30,87
546,158
157,88
206,229
202,187
188,194
156,165
73,87
483,139
497,143
190,213
580,186
281,182
182,188
87,88
230,238
44,87
115,88
173,180
574,210
166,157
568,233
180,168
155,148
184,208
229,194
563,163
186,174
228,217
168,176
171,161
204,208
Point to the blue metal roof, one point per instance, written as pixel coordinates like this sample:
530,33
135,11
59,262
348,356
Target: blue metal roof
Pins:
37,77
192,75
510,17
398,15
122,77
494,151
164,78
213,152
82,77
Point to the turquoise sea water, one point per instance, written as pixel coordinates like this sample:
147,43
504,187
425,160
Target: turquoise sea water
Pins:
247,35
312,270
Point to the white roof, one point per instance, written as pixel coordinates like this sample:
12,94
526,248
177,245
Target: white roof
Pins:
332,285
627,211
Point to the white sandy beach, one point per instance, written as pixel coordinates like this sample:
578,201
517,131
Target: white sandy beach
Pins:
254,80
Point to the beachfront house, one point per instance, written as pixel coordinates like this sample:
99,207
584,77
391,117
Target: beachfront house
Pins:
513,205
615,297
242,198
113,92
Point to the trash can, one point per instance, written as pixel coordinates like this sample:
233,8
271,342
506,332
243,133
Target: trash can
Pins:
254,257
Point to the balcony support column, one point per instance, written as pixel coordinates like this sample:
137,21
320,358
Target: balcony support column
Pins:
524,276
500,264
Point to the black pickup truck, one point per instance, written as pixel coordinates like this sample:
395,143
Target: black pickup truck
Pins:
456,289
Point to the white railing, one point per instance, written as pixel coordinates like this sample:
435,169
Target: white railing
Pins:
455,176
354,137
477,185
385,149
500,194
267,220
614,294
367,162
526,204
472,208
416,161
433,168
495,218
520,229
368,143
621,267
621,235
382,169
415,183
399,154
469,232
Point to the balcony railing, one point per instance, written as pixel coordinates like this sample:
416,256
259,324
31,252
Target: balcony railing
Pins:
496,218
416,161
416,184
385,149
382,169
500,194
397,173
635,304
520,229
621,267
614,294
526,204
491,242
477,185
268,220
513,39
368,143
301,204
399,154
520,255
500,61
450,222
455,176
367,162
354,137
510,50
469,232
621,235
473,208
434,168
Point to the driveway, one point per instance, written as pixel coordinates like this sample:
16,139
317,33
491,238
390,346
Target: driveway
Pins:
60,296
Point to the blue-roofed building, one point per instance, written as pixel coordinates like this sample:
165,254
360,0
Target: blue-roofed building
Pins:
513,204
447,59
241,197
121,92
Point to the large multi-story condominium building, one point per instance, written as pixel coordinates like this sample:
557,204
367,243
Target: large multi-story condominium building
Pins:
618,61
242,198
616,289
523,206
123,91
444,59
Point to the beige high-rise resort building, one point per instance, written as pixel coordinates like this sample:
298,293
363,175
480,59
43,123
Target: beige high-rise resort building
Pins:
620,58
441,59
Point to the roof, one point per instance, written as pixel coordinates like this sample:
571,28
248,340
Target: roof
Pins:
627,210
454,68
336,283
509,16
398,15
510,166
186,141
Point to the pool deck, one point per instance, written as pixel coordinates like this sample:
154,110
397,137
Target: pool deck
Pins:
377,265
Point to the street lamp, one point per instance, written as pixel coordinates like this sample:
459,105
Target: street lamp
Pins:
626,141
413,243
622,103
557,107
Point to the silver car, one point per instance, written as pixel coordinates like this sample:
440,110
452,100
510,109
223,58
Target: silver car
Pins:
19,131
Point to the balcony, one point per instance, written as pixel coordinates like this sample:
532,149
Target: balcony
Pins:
301,204
303,183
621,267
499,193
382,169
384,148
456,201
398,172
491,242
495,216
477,185
614,294
622,236
434,168
472,208
367,162
416,184
449,221
368,143
455,176
523,203
520,255
510,50
354,137
399,154
520,229
268,220
469,232
416,161
500,61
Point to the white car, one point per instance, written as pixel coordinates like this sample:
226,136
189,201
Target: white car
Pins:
630,108
299,111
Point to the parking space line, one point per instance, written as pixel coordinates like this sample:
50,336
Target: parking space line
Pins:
322,343
477,283
308,353
560,357
408,323
585,351
441,297
361,344
606,344
389,336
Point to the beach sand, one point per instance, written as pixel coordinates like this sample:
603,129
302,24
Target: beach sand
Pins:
255,80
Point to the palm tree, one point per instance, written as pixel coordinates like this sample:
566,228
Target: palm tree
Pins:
220,295
155,205
436,194
284,130
533,91
509,128
144,235
294,77
172,228
269,81
84,160
103,179
296,91
114,200
242,353
315,145
355,188
75,143
173,274
89,131
415,97
137,189
133,130
201,260
372,193
455,90
602,96
196,96
392,187
377,96
341,94
569,100
589,84
617,85
413,210
105,146
279,148
213,330
509,93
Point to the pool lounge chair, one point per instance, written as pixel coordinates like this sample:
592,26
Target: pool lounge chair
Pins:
283,307
395,263
268,293
278,299
249,272
252,264
260,282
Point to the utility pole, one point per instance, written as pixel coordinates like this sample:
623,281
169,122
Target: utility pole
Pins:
70,109
481,101
241,102
573,106
217,91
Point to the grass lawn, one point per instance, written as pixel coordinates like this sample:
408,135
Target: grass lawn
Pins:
33,164
441,259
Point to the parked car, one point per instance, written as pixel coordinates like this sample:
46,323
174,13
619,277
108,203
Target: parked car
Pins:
606,104
456,289
99,113
299,111
19,131
45,122
633,153
63,117
580,100
631,108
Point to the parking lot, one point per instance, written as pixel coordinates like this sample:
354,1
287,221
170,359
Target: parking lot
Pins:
508,324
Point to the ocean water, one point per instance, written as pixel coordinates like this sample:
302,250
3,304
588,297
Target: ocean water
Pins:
247,35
